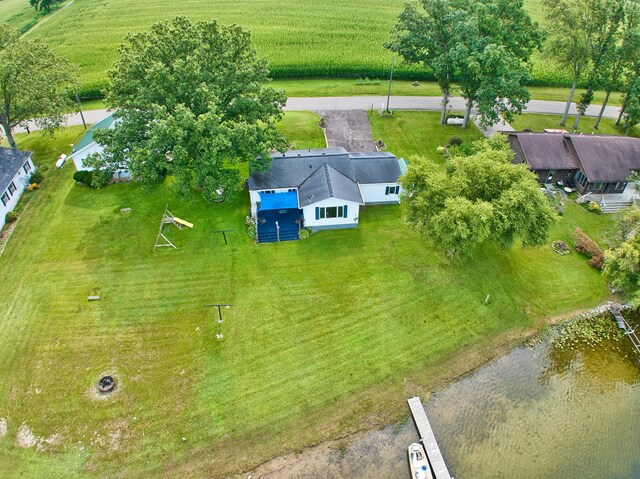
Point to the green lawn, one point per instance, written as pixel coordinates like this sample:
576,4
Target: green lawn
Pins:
417,133
536,122
326,336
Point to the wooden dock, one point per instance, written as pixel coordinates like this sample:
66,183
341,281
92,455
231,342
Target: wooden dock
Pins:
428,439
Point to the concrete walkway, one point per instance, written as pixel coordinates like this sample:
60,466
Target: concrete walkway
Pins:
430,103
349,129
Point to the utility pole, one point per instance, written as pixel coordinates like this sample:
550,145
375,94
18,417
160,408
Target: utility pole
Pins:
393,64
75,91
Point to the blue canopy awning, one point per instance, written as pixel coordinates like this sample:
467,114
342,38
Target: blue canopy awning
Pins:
278,201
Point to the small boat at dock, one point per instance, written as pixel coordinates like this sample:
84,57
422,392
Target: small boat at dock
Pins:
418,463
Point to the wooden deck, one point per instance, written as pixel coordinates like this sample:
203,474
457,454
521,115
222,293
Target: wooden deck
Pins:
428,439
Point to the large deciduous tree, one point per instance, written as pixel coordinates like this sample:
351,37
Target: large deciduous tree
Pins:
604,19
34,83
625,56
482,45
428,38
478,198
567,42
191,101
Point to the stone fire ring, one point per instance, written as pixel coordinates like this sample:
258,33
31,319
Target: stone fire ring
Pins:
106,384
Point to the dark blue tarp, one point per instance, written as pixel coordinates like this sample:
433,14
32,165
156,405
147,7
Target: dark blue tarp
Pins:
278,201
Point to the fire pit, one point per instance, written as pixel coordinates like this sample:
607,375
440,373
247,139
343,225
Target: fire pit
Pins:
106,384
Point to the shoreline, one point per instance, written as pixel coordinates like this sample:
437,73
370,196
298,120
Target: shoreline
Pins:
526,338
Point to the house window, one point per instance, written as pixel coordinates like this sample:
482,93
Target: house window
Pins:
581,178
27,167
12,188
392,190
329,212
4,198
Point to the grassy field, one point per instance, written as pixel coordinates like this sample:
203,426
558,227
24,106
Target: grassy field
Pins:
300,38
326,336
536,122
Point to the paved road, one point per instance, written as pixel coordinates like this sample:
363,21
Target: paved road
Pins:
376,102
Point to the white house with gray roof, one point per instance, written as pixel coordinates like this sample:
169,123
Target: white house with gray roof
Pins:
16,167
321,189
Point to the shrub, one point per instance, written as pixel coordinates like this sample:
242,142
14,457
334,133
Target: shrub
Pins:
455,141
594,207
586,246
10,217
82,176
304,233
36,177
252,229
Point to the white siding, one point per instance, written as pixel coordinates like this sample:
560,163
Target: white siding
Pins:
254,196
21,180
353,211
375,193
79,156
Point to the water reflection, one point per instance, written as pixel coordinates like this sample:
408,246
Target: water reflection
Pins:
539,412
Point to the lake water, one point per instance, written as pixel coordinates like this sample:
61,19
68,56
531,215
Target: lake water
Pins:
539,412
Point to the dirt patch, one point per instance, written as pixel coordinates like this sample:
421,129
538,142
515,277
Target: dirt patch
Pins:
3,427
25,437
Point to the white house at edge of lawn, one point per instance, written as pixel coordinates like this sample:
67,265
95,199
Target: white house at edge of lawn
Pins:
321,189
16,167
87,146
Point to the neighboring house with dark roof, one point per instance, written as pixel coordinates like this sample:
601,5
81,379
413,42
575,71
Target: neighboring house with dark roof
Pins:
321,189
16,167
87,146
592,163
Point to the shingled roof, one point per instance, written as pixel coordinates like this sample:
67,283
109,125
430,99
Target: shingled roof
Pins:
10,163
606,159
602,158
542,151
327,182
293,168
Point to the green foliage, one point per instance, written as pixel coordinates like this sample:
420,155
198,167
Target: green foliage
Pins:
36,83
252,227
483,46
36,177
83,176
591,331
594,207
478,198
304,233
192,102
622,261
10,217
44,5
